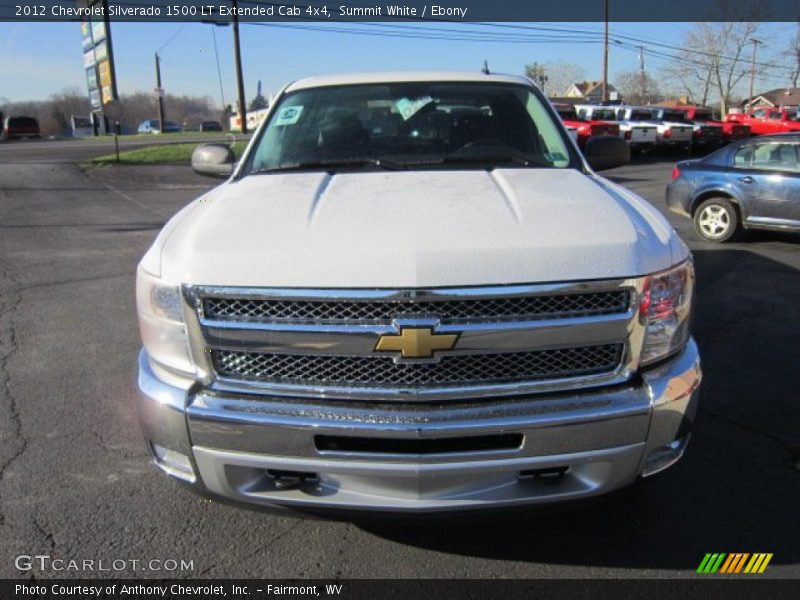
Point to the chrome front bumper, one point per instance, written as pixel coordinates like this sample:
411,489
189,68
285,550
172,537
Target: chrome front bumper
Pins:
603,439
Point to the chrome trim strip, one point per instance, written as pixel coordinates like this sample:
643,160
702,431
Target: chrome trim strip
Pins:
194,293
360,340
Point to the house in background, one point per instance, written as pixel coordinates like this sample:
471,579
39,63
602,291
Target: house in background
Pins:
775,98
592,92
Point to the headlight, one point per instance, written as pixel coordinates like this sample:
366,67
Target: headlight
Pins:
665,311
160,309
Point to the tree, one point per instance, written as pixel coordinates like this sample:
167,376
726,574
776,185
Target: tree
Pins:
629,85
560,75
61,107
715,56
259,102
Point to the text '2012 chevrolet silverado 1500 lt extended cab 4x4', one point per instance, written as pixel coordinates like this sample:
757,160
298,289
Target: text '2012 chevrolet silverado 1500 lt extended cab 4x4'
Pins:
413,294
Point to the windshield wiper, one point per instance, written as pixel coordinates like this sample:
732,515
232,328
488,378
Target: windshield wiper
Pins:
490,160
331,165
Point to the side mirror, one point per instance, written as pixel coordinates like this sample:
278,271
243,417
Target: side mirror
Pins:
214,160
606,152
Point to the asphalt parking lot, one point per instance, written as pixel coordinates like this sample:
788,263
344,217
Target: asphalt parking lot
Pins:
74,475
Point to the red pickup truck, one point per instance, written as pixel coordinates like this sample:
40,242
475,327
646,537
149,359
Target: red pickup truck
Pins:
586,128
764,121
732,130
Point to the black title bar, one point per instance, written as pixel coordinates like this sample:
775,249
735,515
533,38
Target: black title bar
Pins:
703,588
223,11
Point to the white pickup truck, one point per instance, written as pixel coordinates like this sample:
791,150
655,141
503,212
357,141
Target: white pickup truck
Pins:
635,128
413,294
673,130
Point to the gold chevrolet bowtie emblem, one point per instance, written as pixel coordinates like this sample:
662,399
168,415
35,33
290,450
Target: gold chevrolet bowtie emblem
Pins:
416,342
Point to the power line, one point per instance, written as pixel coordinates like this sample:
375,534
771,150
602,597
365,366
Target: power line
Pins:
621,36
433,36
172,38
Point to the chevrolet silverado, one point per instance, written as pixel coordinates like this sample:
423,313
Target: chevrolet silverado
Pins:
413,294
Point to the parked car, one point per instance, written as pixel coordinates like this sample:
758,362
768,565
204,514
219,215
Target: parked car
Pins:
586,128
15,128
731,130
413,294
673,130
750,184
765,121
210,126
152,126
634,129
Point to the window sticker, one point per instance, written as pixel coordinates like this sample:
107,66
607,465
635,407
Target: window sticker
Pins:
289,115
408,108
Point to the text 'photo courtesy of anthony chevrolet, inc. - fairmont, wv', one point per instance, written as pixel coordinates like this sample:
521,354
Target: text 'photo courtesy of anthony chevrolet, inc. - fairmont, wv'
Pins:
350,299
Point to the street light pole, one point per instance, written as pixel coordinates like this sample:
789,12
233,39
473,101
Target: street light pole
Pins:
237,56
752,75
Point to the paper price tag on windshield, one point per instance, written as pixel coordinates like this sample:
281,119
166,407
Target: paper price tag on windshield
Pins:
289,115
408,108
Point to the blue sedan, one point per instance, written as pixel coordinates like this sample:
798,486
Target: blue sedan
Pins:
751,184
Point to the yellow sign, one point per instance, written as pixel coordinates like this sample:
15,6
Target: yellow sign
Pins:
104,69
416,342
108,94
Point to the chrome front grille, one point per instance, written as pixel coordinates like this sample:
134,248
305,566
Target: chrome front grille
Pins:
556,306
509,340
450,370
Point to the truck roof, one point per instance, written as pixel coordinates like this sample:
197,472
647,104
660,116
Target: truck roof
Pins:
403,76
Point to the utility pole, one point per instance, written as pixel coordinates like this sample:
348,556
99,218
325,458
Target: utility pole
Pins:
237,56
538,74
160,93
752,74
642,76
605,57
219,72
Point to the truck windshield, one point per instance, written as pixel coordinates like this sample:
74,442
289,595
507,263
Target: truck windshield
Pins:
672,115
603,115
405,125
642,115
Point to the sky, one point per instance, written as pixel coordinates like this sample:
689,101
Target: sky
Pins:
39,59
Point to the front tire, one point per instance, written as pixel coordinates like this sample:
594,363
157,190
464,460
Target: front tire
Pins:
716,220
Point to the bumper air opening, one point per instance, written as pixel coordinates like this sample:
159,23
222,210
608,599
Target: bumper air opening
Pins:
287,480
366,445
548,475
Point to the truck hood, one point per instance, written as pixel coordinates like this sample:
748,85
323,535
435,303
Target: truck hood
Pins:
412,229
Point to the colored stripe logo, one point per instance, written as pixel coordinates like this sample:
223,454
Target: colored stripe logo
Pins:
737,562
